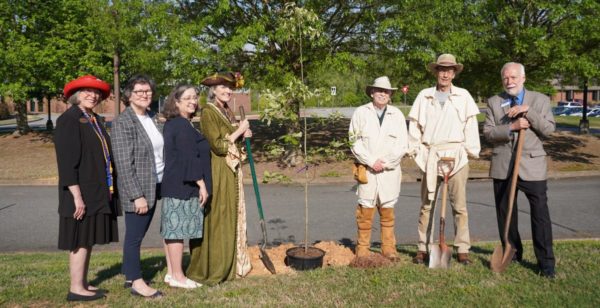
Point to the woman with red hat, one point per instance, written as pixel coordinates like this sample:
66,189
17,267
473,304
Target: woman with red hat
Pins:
222,253
87,203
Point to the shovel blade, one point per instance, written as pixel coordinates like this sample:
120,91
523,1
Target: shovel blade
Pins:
439,257
502,258
266,261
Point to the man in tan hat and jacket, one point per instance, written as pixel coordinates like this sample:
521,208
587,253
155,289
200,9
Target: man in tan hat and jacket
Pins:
443,123
379,140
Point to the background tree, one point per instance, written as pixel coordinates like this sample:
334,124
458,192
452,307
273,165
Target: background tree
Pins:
344,43
42,45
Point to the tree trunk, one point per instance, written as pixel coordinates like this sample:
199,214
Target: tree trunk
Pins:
116,85
21,116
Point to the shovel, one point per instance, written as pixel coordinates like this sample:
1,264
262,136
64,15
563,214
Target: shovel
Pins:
440,255
502,258
263,254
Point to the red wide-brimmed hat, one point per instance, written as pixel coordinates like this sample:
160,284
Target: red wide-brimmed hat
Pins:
87,81
230,79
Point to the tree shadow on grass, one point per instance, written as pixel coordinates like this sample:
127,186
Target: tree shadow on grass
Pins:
560,147
564,148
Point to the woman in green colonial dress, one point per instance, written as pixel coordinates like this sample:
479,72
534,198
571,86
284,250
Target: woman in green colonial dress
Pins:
222,254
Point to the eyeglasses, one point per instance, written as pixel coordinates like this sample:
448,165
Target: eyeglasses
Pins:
142,92
189,98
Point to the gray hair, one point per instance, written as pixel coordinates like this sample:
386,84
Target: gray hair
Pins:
210,96
74,98
521,67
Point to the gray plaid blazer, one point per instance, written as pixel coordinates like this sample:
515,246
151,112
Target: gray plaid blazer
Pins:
134,159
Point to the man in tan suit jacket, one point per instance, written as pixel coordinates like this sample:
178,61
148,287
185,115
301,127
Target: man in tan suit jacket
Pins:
517,109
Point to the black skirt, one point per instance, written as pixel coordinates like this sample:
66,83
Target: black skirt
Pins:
91,230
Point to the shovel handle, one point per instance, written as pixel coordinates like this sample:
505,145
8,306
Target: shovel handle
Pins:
252,170
513,183
447,162
242,113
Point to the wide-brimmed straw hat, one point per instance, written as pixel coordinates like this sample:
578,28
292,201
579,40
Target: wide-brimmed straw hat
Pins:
230,79
87,81
446,60
382,82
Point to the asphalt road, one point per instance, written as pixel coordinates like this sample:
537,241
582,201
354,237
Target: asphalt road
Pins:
29,219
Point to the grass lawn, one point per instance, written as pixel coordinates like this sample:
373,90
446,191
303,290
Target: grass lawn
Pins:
574,121
41,279
562,121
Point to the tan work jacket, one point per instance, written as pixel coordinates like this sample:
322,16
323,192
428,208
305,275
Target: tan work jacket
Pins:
371,141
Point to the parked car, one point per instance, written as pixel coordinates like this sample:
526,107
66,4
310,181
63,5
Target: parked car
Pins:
569,104
557,111
573,111
594,113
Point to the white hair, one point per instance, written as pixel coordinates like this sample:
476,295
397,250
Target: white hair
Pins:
521,67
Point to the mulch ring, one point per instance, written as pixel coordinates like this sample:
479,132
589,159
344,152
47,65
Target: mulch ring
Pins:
335,255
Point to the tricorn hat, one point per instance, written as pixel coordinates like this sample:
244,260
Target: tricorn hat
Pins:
87,81
382,82
446,60
230,79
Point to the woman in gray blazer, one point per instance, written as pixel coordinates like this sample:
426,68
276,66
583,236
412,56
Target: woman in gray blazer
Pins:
138,153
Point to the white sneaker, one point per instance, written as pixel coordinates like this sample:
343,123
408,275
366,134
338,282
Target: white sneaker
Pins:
167,278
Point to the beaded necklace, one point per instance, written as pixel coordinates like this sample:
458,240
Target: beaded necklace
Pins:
108,166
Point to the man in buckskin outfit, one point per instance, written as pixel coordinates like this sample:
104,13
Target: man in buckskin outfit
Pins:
443,123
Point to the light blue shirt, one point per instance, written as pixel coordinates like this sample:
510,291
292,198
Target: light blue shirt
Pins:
518,98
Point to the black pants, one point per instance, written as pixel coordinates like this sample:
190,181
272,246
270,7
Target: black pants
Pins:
541,226
135,230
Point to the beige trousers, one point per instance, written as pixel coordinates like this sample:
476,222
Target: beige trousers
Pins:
457,195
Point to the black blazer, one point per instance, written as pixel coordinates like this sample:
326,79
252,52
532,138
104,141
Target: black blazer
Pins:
81,162
187,160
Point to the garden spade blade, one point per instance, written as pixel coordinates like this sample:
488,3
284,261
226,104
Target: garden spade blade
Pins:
501,258
439,256
264,257
263,254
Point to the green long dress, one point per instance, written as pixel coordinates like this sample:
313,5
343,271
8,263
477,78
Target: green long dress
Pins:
213,258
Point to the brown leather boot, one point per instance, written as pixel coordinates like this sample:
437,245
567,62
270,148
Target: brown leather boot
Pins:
463,258
421,257
388,239
364,220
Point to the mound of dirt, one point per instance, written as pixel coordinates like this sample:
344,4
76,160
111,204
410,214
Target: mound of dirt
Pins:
372,261
335,255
